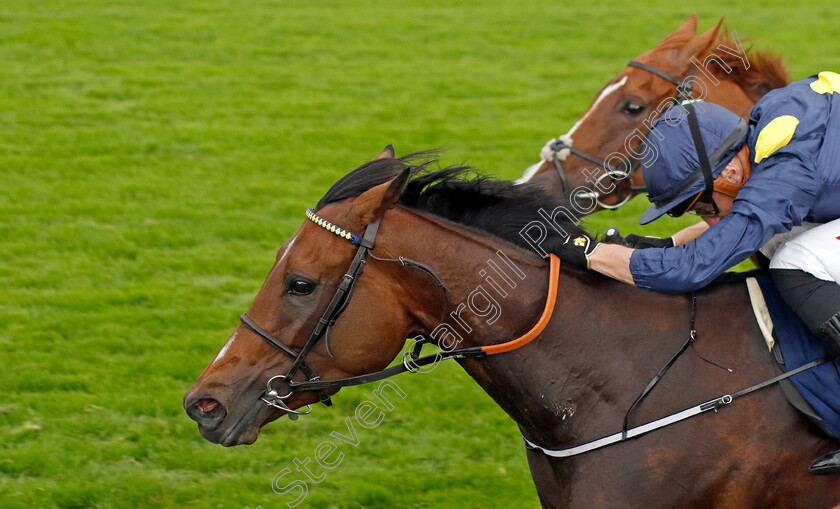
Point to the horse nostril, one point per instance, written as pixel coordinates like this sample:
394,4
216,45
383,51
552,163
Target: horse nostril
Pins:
207,405
207,412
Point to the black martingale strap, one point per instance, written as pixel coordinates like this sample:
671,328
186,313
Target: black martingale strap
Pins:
783,376
714,404
692,337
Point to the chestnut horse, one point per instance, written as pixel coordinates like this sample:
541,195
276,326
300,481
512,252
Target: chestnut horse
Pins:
715,67
439,235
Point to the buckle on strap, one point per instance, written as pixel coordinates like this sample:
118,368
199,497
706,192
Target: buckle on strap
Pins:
411,354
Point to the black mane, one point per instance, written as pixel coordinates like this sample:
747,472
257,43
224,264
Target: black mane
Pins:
465,196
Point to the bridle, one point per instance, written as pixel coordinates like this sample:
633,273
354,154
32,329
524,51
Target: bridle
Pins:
684,92
411,358
337,305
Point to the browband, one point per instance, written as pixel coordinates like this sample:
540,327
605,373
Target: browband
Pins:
341,232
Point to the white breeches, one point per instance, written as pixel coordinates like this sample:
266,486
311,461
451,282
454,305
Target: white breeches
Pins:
815,251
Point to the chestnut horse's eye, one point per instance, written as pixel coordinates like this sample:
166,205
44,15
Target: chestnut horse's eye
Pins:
300,287
633,109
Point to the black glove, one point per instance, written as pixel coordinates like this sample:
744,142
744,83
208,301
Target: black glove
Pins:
640,242
637,241
577,249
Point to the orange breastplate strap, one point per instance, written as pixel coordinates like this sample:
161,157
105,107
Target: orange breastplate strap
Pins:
553,279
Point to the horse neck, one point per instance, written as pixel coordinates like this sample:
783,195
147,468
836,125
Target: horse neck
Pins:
579,376
541,384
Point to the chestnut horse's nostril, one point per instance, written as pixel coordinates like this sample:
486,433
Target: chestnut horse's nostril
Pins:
207,405
207,412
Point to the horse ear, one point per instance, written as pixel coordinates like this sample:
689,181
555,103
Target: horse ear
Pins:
700,44
686,31
676,39
688,28
373,203
387,153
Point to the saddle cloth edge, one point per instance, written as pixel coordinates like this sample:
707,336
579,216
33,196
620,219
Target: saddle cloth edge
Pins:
761,311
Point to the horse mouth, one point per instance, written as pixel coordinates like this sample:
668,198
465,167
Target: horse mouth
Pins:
246,429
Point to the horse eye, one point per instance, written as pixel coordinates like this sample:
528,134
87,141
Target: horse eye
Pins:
633,109
300,287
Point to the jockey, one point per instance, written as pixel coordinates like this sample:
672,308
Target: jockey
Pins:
749,182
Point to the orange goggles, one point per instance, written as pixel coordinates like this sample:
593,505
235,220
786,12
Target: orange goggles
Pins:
695,206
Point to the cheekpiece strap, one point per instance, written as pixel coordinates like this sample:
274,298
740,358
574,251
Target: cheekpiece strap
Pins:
341,232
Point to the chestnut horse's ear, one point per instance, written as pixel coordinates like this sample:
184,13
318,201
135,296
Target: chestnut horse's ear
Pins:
701,44
688,28
387,153
373,203
670,47
679,36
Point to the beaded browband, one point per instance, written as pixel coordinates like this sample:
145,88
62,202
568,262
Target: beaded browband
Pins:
341,232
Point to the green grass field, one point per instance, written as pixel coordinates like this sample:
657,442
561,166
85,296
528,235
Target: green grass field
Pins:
153,157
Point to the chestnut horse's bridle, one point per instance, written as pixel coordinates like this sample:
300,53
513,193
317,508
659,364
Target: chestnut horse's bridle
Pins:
411,359
684,92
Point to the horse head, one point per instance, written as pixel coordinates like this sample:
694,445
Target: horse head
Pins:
247,385
598,157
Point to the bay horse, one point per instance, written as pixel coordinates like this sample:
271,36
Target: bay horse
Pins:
428,247
713,66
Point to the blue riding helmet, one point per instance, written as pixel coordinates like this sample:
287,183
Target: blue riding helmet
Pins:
676,174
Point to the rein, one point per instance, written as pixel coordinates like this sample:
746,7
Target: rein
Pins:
683,93
411,360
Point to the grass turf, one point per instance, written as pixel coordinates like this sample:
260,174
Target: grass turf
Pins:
153,156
